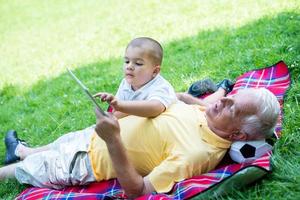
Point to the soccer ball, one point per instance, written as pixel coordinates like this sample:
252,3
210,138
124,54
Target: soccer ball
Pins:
248,151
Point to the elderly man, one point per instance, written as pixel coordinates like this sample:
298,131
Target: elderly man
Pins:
149,154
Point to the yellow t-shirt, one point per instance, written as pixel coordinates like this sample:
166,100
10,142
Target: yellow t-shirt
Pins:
169,148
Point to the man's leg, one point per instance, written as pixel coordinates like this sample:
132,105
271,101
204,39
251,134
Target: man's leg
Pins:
17,149
23,151
65,163
8,171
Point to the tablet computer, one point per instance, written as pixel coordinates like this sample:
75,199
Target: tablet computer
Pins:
87,92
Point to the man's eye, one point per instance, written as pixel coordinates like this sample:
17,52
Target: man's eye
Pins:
139,64
126,61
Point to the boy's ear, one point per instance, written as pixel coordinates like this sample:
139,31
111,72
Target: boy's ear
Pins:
156,70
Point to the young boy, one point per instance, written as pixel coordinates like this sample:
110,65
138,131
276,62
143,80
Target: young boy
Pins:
143,91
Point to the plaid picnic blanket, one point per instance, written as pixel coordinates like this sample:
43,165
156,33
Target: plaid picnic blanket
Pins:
276,78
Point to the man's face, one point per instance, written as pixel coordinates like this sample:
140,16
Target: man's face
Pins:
226,114
138,68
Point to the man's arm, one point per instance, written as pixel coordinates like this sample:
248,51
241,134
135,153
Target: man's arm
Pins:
189,99
133,183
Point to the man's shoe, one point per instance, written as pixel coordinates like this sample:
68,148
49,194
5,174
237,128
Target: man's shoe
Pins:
11,143
202,87
226,84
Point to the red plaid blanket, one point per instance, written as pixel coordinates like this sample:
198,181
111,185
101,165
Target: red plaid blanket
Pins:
275,78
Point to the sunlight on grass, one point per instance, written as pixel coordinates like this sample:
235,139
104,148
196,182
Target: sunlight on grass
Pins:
38,39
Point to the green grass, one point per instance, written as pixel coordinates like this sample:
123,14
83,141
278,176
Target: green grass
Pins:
217,39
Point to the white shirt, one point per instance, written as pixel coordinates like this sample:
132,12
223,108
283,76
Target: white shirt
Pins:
158,89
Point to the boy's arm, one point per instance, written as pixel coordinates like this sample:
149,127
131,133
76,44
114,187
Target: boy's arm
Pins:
119,114
143,108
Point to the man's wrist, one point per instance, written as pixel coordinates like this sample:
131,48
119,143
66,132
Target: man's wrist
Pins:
113,141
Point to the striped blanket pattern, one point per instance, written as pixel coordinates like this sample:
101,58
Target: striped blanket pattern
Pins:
275,78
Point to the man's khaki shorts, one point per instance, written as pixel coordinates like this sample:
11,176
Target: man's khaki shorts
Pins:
66,163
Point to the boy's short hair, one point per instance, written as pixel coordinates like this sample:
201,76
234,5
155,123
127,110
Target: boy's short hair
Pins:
154,49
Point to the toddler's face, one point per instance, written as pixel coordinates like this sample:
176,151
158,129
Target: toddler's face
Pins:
138,67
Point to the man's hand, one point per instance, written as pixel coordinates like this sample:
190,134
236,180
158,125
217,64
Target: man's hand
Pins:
132,182
107,127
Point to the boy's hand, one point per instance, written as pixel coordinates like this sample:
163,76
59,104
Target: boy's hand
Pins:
109,98
104,96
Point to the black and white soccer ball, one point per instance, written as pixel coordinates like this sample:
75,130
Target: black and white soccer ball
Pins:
245,152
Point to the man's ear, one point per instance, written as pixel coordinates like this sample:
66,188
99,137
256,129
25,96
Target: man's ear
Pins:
238,136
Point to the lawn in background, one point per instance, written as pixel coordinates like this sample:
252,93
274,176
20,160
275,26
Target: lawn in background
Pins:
217,39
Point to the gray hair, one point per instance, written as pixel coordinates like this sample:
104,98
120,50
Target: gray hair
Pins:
262,124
